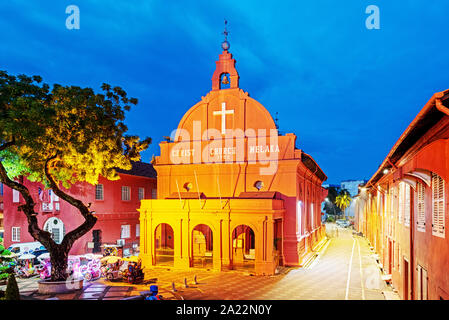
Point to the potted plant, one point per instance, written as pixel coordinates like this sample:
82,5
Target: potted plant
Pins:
5,268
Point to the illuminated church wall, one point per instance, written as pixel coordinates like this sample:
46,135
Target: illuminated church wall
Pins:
228,166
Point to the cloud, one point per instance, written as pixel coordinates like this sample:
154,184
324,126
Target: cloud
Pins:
347,92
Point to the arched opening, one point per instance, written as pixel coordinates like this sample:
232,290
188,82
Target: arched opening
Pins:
202,247
225,81
56,227
243,248
164,245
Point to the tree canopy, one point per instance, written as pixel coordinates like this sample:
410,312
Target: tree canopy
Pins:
82,133
329,206
59,136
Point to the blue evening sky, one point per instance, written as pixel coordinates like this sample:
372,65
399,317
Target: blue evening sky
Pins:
346,91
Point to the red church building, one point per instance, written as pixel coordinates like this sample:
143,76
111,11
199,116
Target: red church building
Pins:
115,204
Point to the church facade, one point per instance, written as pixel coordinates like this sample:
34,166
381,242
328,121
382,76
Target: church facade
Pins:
232,192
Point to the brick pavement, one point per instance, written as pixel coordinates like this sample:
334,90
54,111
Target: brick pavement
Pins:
333,275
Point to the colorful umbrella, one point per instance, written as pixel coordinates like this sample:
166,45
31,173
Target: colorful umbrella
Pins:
132,259
27,256
110,259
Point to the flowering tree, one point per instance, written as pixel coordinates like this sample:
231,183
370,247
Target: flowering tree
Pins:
60,136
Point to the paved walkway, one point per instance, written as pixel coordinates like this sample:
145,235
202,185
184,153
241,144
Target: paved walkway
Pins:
345,268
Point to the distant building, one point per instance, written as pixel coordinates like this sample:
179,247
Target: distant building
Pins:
327,185
115,204
352,186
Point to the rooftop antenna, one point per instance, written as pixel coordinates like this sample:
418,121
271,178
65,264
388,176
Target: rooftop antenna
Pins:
218,184
276,120
197,188
179,193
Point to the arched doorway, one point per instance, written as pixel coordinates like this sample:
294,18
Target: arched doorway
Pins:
202,247
164,245
243,248
56,227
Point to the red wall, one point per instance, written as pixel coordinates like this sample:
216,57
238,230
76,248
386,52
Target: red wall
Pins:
428,251
112,212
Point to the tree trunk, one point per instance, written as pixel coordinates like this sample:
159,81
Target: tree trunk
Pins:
58,252
59,261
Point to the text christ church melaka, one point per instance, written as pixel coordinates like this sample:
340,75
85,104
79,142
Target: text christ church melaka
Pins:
232,192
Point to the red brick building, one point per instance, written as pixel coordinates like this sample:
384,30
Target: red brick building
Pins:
403,207
115,204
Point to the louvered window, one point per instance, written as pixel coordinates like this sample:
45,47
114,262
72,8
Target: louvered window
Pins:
401,201
407,205
437,206
421,217
391,217
394,193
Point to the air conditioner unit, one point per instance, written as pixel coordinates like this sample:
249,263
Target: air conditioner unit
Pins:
47,207
121,242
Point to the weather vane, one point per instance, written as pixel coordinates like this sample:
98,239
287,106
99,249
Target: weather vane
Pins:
225,32
225,44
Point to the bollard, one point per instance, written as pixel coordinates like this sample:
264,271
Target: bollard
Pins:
195,280
185,283
173,287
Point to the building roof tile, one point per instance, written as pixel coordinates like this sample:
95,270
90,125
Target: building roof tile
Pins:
140,169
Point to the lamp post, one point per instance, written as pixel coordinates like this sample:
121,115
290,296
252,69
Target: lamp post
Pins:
333,206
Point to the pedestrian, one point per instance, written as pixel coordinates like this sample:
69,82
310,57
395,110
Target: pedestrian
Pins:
154,293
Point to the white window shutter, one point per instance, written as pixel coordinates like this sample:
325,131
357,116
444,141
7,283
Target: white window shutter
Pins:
15,196
438,206
421,217
407,205
401,201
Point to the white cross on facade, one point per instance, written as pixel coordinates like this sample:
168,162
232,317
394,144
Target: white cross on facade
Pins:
223,114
